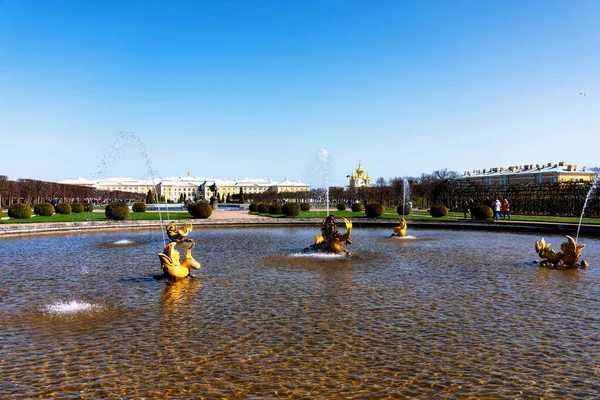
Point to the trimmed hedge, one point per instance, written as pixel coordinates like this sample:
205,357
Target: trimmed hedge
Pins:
139,207
374,210
253,207
438,211
77,207
357,207
200,209
20,210
407,210
341,206
88,207
275,208
263,208
482,212
117,211
305,206
291,209
44,209
63,208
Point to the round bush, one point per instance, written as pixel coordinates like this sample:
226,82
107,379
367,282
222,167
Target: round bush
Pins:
19,210
88,207
139,207
63,208
407,209
341,206
253,207
77,207
263,208
305,206
117,211
200,209
44,209
374,210
438,210
291,209
482,212
357,207
275,208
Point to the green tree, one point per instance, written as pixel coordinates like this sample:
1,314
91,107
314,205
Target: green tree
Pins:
242,199
149,197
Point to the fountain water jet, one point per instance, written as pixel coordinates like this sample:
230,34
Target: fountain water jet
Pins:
318,172
117,149
587,198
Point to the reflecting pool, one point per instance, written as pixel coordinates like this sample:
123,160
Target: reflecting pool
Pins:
446,314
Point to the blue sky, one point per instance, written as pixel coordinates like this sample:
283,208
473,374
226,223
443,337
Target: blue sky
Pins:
254,88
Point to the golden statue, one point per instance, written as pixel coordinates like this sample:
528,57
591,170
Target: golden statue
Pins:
568,257
178,235
330,241
172,267
169,258
400,230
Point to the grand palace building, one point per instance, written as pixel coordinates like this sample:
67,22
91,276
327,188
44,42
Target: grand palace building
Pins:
538,173
193,187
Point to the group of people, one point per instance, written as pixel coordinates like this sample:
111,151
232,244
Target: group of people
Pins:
500,209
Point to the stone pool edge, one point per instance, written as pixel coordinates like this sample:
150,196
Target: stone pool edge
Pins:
12,230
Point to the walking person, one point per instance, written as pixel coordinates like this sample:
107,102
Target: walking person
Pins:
497,206
505,209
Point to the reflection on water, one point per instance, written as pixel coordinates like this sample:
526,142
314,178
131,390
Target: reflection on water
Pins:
450,315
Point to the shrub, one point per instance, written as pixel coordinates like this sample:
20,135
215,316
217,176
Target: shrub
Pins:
139,207
482,212
275,208
88,207
438,210
357,207
263,208
305,206
291,209
341,206
44,209
63,208
117,211
200,209
253,207
407,209
19,210
77,207
374,210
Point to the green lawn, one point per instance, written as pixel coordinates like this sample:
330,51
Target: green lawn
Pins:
415,215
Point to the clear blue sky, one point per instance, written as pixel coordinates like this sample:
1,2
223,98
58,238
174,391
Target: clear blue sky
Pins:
254,88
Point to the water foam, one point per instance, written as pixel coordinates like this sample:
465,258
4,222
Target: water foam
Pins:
123,241
72,306
322,256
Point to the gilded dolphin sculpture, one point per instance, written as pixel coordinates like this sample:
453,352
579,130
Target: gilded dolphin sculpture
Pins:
178,235
568,257
400,230
172,267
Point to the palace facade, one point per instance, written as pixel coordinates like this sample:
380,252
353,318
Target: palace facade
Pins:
193,187
538,173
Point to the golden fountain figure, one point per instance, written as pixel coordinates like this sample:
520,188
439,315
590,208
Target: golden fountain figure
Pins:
568,257
171,265
178,235
400,230
330,240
